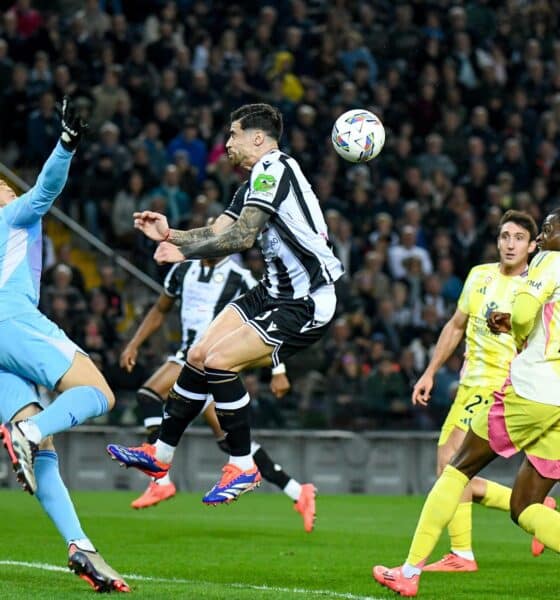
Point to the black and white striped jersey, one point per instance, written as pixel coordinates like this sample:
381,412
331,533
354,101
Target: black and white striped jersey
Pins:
295,244
204,291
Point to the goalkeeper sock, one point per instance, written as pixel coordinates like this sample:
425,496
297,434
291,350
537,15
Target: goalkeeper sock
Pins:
439,508
542,522
72,407
54,497
460,531
496,496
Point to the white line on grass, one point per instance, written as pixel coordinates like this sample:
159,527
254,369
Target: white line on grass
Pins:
262,588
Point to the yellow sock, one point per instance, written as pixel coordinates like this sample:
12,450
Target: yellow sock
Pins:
497,496
460,527
439,508
543,523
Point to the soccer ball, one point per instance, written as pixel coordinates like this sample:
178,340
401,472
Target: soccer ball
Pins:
358,135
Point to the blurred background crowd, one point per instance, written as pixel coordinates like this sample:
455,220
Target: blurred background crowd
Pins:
469,93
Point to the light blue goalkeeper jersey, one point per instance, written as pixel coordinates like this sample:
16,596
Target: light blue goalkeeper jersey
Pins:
21,237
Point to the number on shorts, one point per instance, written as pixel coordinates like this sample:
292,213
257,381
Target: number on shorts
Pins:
471,405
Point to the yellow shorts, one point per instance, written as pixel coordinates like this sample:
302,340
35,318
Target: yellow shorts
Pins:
513,424
468,402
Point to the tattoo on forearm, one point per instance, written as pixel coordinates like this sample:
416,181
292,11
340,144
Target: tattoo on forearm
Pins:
239,236
182,238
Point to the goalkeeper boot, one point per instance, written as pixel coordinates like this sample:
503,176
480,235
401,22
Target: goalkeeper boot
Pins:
22,455
233,483
90,566
142,458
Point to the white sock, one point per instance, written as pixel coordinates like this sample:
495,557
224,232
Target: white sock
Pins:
245,463
466,554
165,480
31,431
83,544
164,452
410,570
292,489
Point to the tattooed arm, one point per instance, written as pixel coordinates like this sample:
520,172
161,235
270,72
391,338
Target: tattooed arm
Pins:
239,236
180,237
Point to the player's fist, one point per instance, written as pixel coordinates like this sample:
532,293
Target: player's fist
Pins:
128,358
168,253
499,322
280,385
73,126
422,390
152,224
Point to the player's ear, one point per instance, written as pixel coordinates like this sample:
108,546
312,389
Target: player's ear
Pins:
258,138
532,246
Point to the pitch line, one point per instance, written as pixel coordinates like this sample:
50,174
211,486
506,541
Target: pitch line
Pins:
246,586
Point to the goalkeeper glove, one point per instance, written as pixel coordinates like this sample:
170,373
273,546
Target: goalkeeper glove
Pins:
73,126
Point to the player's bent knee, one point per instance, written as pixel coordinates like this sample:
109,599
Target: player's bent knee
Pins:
108,393
196,356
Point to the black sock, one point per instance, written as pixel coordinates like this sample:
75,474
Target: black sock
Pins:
153,434
270,470
150,405
184,403
232,409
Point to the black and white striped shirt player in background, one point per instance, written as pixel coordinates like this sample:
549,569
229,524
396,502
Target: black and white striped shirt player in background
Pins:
204,288
290,309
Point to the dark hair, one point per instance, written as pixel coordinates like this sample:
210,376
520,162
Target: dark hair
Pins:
259,116
522,219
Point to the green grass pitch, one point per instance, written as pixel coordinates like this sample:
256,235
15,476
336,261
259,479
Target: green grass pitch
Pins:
256,548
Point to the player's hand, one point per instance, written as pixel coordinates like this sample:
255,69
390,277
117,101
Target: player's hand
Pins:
128,358
422,389
73,126
168,253
499,322
152,224
280,385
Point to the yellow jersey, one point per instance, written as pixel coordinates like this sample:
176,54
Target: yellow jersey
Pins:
487,355
535,372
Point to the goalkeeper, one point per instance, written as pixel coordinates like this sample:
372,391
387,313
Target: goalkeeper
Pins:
33,350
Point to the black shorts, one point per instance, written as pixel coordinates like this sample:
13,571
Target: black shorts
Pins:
287,325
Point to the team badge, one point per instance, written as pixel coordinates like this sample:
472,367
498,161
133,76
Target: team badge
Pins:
218,277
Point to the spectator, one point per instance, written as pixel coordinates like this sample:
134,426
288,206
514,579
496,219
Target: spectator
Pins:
407,248
189,140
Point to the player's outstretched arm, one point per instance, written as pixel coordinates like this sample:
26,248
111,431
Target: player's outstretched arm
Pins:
32,205
449,338
151,323
241,235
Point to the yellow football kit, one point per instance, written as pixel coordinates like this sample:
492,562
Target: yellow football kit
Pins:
487,355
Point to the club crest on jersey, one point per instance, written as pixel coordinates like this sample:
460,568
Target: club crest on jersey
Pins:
218,277
264,182
490,307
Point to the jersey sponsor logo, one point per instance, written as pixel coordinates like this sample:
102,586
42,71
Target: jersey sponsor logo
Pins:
534,284
482,290
272,327
264,182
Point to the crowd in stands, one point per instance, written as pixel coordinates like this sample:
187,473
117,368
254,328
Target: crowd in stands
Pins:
469,93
